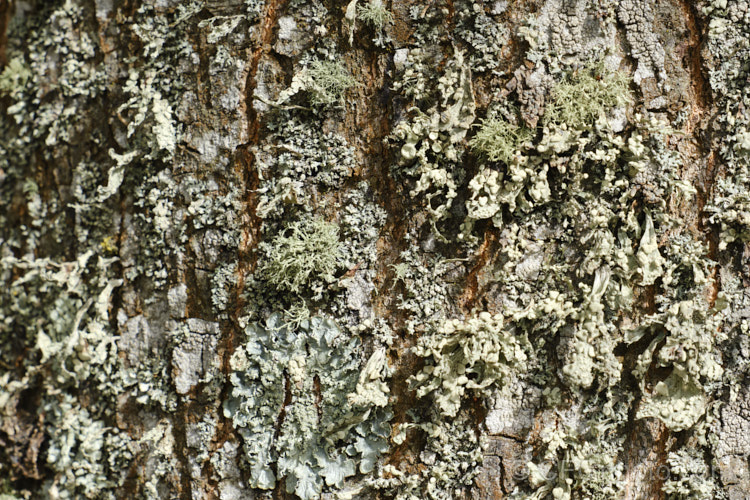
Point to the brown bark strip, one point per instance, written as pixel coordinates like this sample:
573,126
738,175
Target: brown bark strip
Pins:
244,165
471,293
5,10
698,127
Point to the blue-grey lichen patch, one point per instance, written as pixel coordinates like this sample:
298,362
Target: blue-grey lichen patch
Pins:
332,421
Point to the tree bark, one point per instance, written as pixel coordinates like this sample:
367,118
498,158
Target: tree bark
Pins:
327,249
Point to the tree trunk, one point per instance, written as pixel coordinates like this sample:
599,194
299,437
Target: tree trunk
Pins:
364,249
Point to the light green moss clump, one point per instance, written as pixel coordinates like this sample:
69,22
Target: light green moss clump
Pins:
306,251
585,95
499,139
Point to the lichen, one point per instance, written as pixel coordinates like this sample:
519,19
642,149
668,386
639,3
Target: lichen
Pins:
586,95
374,13
334,416
471,355
499,140
430,150
304,254
324,80
689,476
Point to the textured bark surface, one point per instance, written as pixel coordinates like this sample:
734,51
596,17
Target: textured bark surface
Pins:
399,249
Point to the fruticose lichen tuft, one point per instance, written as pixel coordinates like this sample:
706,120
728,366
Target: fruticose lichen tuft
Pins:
499,139
306,251
586,95
374,13
328,82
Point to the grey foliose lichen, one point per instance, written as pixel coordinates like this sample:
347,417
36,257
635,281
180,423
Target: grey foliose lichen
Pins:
297,159
578,452
689,476
60,311
332,417
451,459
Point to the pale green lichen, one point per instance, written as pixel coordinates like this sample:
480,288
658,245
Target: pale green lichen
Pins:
650,260
14,77
679,401
84,452
335,420
60,311
499,139
375,14
431,151
306,252
581,459
467,355
689,476
452,457
586,95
